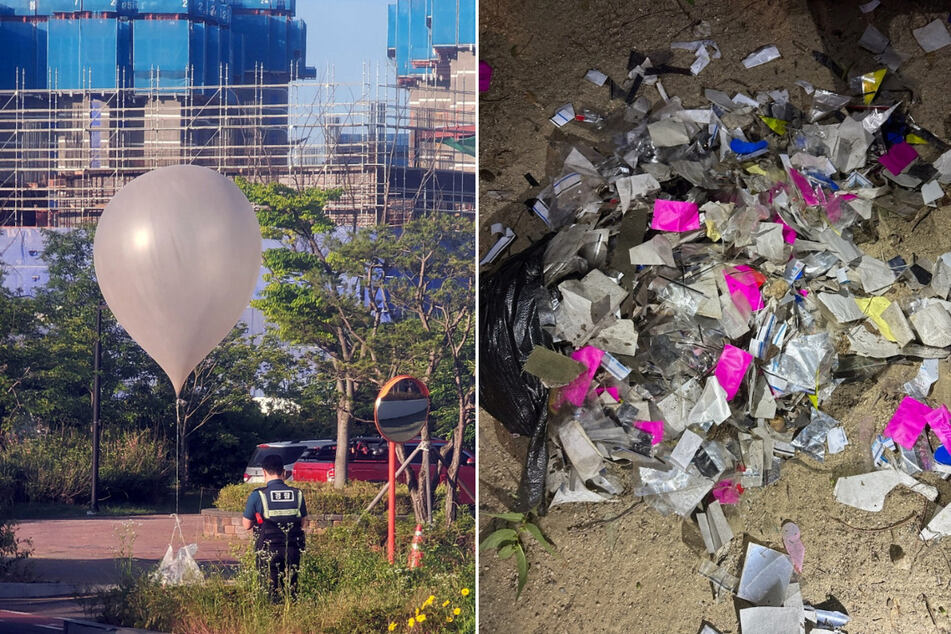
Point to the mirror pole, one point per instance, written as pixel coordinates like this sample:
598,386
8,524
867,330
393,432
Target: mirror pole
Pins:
391,532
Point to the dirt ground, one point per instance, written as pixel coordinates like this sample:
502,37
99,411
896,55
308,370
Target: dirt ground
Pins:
624,569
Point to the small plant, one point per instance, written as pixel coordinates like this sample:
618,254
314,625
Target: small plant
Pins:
12,550
508,541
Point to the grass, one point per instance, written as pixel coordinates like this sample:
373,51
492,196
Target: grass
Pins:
345,585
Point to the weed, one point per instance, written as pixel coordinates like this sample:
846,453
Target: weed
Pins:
507,541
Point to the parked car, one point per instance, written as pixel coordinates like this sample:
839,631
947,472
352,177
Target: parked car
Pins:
288,450
369,458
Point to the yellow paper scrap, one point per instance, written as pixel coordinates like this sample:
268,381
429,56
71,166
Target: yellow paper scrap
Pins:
756,169
871,82
776,125
874,307
915,139
712,232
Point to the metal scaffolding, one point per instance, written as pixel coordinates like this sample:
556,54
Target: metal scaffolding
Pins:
64,154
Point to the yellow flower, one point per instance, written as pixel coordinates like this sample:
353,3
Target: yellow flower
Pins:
428,602
420,618
392,626
411,622
445,603
464,592
448,619
456,611
417,611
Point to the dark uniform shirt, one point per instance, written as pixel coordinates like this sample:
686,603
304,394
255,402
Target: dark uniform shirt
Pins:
280,497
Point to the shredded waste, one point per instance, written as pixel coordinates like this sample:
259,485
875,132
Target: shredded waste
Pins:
703,291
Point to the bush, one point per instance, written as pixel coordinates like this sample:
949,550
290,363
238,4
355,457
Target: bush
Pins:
12,550
321,497
345,585
57,467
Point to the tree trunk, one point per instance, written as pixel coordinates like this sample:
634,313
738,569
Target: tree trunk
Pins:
415,495
344,406
453,472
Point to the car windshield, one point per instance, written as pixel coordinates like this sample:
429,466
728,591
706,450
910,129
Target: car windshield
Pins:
287,454
327,452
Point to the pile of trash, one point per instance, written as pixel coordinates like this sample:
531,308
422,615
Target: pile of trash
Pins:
702,292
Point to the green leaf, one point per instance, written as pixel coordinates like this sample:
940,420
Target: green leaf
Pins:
507,550
509,517
499,537
522,569
536,532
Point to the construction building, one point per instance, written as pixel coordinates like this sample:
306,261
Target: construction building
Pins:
96,92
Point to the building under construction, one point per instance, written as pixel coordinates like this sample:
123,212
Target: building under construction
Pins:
96,92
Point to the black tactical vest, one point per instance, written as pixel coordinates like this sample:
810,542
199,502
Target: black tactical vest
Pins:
282,515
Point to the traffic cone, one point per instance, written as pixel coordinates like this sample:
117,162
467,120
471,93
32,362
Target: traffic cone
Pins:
415,553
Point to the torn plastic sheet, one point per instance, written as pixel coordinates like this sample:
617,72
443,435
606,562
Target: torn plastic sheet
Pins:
868,491
932,36
765,577
836,440
760,56
674,491
573,490
714,528
719,576
712,407
825,103
801,364
506,236
596,77
931,192
843,308
668,133
869,6
867,344
631,187
618,338
920,386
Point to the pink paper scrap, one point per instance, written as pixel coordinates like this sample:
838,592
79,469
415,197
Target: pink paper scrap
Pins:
742,279
653,427
485,76
802,184
789,234
576,391
908,422
675,215
731,368
792,540
727,491
898,157
940,422
613,391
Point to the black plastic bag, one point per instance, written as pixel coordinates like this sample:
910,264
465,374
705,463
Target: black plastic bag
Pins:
509,328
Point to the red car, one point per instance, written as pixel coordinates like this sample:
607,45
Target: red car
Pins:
369,461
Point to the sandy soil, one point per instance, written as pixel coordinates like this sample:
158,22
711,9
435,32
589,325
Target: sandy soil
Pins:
624,569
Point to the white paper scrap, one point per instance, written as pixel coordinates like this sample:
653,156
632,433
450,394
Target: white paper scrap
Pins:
761,56
506,237
563,115
939,526
771,620
596,77
686,448
837,440
931,192
765,577
870,6
932,36
873,40
867,491
656,251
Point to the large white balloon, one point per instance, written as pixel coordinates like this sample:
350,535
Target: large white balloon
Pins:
177,256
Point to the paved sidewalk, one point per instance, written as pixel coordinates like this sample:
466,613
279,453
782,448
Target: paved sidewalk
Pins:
83,552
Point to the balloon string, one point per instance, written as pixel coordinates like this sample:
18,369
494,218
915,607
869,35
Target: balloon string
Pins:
178,442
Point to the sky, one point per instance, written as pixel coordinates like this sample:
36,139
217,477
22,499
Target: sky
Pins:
345,33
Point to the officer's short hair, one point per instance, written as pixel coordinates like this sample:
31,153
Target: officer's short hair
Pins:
273,464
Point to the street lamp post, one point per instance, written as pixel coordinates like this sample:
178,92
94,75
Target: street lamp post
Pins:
97,360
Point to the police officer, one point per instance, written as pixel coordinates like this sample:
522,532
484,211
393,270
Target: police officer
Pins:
275,512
